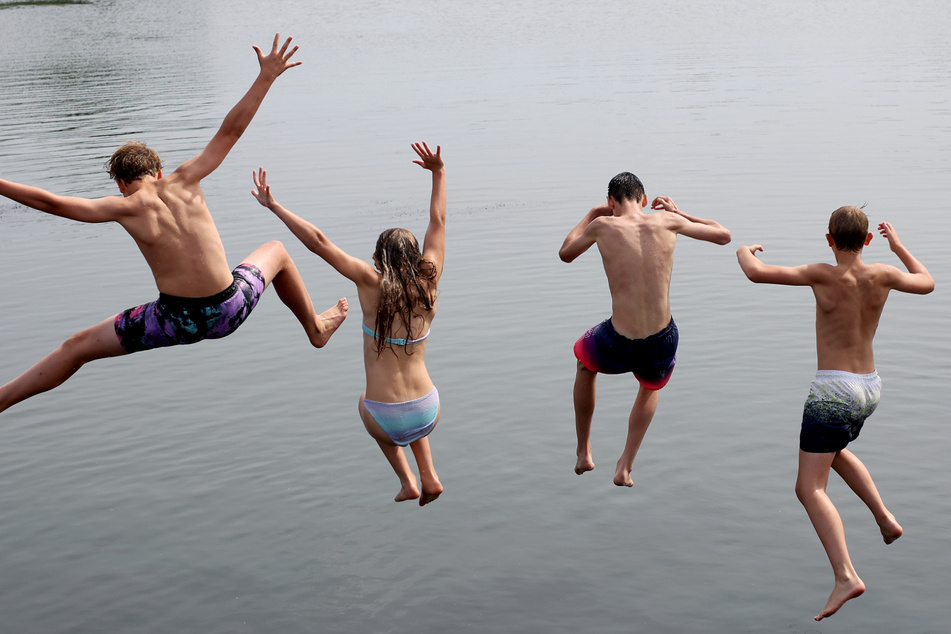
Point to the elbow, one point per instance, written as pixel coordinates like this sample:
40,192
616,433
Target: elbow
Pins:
750,273
565,257
314,245
316,241
724,238
754,275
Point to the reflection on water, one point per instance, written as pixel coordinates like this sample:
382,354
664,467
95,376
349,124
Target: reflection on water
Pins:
153,481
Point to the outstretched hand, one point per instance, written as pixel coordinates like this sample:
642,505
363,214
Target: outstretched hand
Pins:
665,203
263,192
277,61
428,160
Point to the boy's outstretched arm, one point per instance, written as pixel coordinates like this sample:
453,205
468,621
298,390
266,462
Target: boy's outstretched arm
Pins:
581,238
81,209
434,244
313,238
762,273
237,120
917,279
696,228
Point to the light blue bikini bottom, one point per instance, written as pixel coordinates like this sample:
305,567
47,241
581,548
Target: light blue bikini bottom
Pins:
408,421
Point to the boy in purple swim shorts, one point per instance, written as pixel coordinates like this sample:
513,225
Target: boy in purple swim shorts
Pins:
200,296
640,336
850,296
175,321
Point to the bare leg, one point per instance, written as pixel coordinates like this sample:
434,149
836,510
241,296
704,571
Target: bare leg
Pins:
97,342
811,491
851,469
584,397
277,266
432,487
394,455
641,415
397,459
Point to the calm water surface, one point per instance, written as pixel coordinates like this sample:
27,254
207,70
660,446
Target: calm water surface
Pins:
230,487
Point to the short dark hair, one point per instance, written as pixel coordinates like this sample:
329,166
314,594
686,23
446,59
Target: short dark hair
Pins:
848,227
132,161
625,186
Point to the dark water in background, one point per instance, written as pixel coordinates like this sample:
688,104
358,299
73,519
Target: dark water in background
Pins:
230,487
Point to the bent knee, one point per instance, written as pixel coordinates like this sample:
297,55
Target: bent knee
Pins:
805,492
275,245
800,492
267,252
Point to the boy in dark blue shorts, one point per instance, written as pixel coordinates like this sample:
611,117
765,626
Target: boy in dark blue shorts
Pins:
850,296
640,336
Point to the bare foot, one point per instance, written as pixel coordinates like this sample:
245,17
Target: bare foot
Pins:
431,491
584,463
622,475
843,591
891,530
407,492
329,320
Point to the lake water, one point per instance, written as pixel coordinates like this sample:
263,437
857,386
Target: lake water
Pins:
230,486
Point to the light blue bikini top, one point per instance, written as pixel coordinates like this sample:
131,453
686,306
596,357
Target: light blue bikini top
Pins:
396,342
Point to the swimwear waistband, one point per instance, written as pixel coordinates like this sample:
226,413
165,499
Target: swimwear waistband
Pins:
409,402
217,298
657,335
842,374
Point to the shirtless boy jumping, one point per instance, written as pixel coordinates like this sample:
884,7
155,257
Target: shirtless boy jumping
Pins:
849,296
637,250
200,297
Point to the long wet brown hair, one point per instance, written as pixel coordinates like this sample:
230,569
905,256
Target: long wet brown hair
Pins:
408,287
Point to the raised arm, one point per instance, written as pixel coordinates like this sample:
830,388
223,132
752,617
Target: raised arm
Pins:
580,238
434,244
697,228
81,209
352,268
917,279
237,120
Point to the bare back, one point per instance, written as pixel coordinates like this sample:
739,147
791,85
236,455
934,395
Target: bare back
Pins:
637,252
174,230
399,374
168,217
850,296
849,302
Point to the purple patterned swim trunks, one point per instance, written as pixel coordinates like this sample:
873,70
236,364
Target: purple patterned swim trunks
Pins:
174,321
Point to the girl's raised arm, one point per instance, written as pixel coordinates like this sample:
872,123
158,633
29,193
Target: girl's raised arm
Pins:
434,245
313,238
